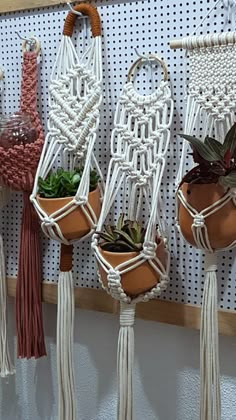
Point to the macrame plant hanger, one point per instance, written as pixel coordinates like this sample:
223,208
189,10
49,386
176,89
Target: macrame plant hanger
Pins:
17,169
75,99
139,145
6,367
210,110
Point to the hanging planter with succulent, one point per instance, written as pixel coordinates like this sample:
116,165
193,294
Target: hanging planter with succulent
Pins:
122,243
132,254
58,190
68,186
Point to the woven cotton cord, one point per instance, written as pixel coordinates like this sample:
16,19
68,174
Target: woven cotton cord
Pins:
73,123
210,408
199,228
128,144
65,347
139,146
125,361
75,99
211,92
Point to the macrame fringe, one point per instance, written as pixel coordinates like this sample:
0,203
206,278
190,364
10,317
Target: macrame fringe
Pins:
67,406
29,320
210,408
125,361
6,367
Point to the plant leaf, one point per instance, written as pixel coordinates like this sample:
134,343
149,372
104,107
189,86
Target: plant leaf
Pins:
230,141
206,152
228,180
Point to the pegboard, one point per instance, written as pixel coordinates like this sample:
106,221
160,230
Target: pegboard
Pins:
148,25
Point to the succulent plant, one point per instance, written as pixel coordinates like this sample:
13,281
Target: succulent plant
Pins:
216,161
62,183
126,236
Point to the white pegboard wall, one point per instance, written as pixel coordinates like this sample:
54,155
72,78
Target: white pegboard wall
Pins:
148,25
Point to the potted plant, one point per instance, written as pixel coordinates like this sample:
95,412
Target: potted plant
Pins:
58,189
209,181
123,242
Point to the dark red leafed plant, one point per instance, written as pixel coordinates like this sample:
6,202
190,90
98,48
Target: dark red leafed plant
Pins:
216,162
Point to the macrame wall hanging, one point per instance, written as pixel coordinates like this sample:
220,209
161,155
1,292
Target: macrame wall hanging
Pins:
6,367
139,145
68,160
20,148
206,213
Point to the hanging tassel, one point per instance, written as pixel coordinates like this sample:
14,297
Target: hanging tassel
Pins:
209,345
6,367
65,337
125,361
29,319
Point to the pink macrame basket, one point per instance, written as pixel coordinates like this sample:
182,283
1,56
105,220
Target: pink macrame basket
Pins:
18,166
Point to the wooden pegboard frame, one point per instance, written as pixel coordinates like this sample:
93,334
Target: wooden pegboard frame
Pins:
13,6
182,315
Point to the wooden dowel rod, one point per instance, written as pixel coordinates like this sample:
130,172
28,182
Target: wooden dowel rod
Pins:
176,44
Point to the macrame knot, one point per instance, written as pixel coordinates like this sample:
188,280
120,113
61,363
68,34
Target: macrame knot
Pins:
233,193
48,221
113,278
199,221
210,264
80,200
127,315
149,250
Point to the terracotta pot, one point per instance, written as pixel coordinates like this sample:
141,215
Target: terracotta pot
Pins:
138,280
221,225
75,225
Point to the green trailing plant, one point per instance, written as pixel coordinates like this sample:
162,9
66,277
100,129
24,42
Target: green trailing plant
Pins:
216,162
125,236
62,183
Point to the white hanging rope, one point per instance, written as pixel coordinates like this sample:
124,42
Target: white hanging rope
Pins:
139,146
125,361
74,101
199,227
65,348
209,345
73,123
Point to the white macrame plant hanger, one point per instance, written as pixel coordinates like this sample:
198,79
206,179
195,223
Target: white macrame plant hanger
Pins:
75,99
139,146
6,367
210,110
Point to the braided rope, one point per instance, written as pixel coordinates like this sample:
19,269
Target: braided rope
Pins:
139,145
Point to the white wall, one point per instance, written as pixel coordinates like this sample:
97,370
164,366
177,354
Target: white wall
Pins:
166,373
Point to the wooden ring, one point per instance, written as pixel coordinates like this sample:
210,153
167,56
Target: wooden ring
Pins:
143,60
36,48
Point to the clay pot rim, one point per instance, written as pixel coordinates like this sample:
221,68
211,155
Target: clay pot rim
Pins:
131,253
201,185
63,198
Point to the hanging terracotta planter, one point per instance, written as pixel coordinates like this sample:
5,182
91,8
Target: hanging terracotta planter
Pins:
138,280
75,225
221,226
